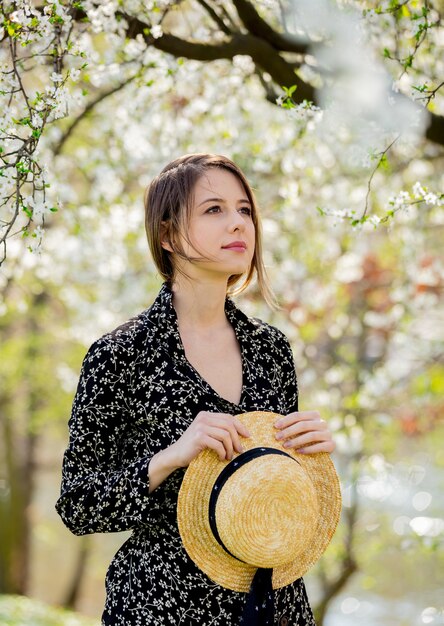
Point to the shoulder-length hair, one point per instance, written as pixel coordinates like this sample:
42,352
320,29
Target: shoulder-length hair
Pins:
168,204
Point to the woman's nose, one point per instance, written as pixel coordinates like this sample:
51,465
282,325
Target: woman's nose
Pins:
237,221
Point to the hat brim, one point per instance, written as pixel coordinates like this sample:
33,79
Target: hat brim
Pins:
193,501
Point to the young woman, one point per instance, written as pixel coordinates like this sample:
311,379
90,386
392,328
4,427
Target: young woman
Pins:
169,383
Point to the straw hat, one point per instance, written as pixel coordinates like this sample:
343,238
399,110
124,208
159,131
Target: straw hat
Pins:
269,507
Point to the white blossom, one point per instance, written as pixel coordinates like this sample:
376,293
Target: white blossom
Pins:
418,190
431,198
56,78
156,31
35,244
244,62
36,121
74,74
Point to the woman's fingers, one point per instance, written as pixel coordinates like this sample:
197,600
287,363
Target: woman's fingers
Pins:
222,428
222,436
325,446
306,431
297,417
232,425
241,428
302,427
213,444
312,437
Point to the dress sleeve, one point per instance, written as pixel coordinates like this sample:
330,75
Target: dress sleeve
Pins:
99,493
289,379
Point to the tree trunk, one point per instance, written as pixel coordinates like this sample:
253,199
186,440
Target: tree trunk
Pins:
17,471
74,588
15,498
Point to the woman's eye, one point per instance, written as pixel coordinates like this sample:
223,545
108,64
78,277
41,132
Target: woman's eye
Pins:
213,209
246,210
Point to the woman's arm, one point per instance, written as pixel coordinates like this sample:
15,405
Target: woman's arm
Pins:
217,431
99,493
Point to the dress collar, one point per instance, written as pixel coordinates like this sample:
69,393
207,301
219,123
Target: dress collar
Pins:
166,311
163,316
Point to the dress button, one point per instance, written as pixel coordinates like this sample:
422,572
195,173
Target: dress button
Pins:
283,621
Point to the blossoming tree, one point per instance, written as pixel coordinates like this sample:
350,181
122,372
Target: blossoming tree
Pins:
99,98
60,59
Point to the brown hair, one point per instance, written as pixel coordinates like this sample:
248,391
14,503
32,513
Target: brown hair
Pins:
168,200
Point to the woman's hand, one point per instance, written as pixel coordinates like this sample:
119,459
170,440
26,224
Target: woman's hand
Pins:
305,431
218,431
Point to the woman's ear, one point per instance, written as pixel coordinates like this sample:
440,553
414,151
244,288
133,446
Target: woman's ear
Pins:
165,235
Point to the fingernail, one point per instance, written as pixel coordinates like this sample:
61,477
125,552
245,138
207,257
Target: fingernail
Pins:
303,450
279,435
278,424
287,444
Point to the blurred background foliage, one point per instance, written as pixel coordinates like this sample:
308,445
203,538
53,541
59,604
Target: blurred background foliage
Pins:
17,610
361,298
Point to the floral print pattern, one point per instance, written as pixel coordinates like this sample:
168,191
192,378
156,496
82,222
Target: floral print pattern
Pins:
136,395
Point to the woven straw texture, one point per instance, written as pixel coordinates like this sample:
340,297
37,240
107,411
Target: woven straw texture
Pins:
272,512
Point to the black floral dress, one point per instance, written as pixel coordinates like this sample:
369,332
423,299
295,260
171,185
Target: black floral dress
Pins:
137,394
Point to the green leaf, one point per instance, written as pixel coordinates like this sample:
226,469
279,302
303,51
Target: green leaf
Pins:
22,168
56,19
420,88
12,28
384,162
404,10
289,91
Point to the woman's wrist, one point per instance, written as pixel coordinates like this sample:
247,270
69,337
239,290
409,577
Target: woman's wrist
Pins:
167,459
161,465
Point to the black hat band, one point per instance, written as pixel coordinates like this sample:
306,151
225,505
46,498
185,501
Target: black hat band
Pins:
225,474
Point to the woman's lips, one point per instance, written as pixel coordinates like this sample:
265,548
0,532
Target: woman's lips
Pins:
236,246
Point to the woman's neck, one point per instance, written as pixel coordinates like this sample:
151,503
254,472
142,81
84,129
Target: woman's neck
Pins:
200,305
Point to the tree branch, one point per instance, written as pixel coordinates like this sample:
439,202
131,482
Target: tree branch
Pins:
64,138
435,131
262,53
212,13
331,587
270,92
262,43
257,26
381,158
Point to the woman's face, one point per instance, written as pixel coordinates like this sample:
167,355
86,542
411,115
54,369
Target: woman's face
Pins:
221,217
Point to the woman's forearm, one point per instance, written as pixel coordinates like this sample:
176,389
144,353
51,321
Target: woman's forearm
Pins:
161,466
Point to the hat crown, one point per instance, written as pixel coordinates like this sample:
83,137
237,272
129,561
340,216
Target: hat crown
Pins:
265,510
